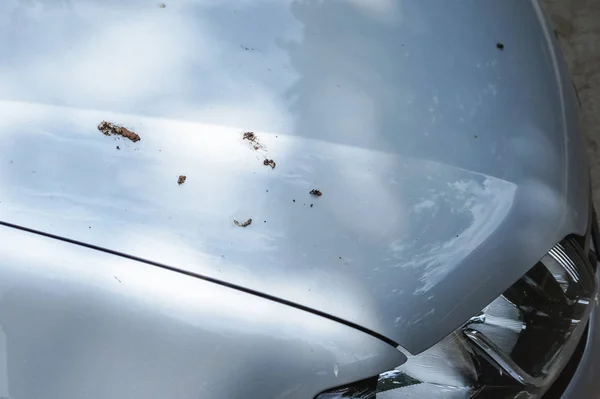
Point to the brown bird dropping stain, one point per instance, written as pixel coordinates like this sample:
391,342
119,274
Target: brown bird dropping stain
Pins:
253,139
111,129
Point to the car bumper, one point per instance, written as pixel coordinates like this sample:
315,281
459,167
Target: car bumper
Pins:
585,383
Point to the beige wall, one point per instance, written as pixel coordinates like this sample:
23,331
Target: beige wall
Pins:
578,26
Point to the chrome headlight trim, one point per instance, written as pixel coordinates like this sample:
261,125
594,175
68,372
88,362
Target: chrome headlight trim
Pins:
515,347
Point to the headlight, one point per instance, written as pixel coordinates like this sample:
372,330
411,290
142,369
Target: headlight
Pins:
513,349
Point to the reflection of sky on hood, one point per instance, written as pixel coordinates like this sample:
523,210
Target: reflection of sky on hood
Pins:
71,317
184,61
419,172
482,205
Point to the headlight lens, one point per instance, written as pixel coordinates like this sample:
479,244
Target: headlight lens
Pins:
513,349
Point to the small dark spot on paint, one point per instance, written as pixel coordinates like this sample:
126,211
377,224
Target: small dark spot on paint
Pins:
340,257
476,136
311,205
118,148
294,200
162,5
500,46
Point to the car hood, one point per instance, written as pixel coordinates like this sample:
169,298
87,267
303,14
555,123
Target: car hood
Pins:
441,155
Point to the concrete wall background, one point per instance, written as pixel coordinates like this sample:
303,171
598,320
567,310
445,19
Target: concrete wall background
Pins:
578,25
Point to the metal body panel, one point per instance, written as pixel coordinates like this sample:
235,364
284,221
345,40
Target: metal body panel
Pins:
448,166
79,323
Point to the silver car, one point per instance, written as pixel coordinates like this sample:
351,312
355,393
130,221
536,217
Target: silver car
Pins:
301,199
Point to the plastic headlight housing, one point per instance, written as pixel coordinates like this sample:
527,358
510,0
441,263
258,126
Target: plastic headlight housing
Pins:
513,349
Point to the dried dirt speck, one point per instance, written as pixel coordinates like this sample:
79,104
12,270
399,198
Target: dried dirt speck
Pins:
243,224
316,193
249,136
269,162
111,129
253,139
181,179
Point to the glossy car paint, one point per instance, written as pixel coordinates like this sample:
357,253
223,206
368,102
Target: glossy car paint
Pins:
80,323
448,166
